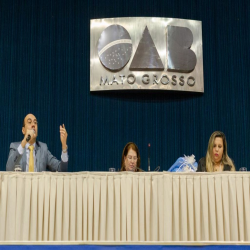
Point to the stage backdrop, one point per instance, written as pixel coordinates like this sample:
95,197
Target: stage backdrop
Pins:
45,66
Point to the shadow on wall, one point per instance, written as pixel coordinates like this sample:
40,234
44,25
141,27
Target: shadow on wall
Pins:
148,95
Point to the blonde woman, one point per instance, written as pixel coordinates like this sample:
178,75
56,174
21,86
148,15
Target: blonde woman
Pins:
216,158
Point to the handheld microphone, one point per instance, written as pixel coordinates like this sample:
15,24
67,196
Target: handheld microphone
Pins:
149,157
29,136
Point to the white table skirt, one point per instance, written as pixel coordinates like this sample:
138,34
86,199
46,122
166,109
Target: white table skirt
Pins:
124,206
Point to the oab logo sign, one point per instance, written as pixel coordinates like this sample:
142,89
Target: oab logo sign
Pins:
140,53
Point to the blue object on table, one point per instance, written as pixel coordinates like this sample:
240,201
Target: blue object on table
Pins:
184,164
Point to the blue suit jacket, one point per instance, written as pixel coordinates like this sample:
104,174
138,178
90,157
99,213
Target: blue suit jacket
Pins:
44,159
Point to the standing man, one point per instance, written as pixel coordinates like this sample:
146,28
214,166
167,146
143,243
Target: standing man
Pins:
34,156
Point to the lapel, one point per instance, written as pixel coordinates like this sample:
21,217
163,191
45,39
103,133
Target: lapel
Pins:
38,152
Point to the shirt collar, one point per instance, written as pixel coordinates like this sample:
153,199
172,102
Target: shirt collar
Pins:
27,146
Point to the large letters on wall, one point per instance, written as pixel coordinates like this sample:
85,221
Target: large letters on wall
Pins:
146,53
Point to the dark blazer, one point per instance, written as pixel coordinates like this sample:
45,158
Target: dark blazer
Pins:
202,166
44,159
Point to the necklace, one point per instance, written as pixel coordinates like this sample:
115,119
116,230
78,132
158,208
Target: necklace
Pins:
217,169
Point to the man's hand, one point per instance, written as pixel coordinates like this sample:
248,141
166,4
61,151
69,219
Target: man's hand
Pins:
63,137
31,133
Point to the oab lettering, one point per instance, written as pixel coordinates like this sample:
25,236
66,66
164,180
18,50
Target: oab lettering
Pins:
115,50
179,55
114,47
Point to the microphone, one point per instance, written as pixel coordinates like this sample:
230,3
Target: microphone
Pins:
29,136
157,169
139,170
149,157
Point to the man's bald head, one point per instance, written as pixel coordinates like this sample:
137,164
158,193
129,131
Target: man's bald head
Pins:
30,123
29,116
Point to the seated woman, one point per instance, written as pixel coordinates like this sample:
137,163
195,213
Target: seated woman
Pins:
216,158
131,158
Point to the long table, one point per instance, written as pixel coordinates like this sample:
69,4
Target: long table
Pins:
124,206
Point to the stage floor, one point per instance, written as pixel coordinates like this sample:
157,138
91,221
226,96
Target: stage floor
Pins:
123,245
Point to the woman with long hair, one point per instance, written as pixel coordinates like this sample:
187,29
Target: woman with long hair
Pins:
216,158
131,159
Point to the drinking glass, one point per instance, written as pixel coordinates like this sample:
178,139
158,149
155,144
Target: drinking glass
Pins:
243,169
111,169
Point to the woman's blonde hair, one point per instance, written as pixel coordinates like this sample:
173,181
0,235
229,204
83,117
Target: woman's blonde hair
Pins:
129,146
226,160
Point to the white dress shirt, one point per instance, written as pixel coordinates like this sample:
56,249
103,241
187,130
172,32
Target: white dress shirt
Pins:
64,156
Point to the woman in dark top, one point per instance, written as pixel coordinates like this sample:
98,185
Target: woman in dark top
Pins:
216,158
131,159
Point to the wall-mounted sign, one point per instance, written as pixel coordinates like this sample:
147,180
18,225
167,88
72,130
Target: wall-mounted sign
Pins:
143,53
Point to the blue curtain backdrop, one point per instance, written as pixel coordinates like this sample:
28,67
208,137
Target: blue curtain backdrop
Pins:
44,70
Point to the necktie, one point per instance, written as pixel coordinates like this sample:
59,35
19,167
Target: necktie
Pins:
31,160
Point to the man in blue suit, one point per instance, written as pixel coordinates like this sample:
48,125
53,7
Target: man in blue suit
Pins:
34,156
